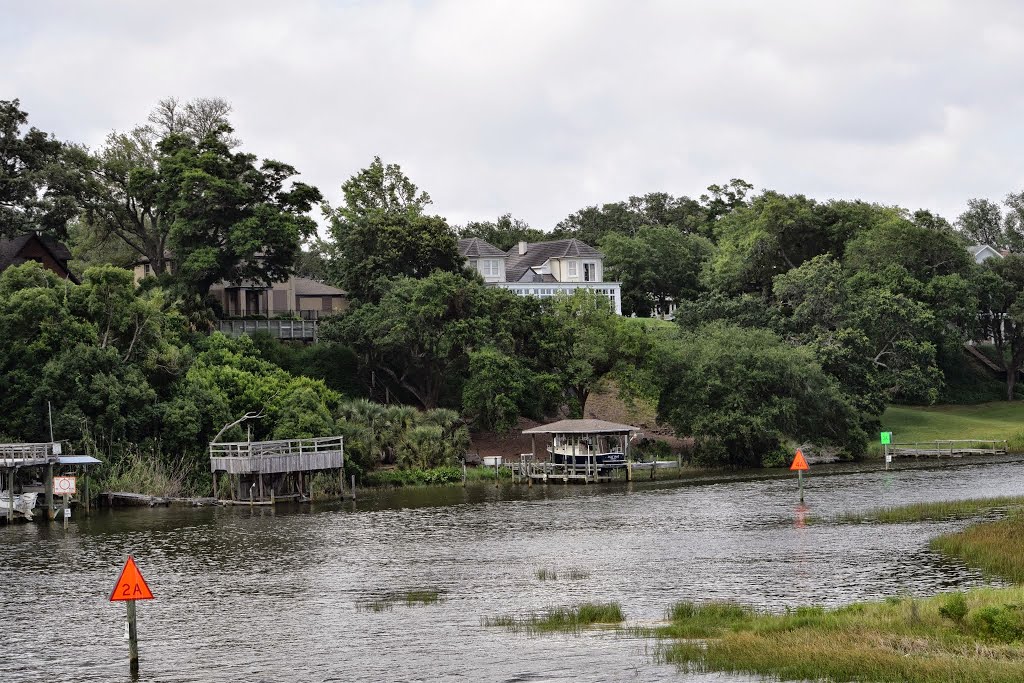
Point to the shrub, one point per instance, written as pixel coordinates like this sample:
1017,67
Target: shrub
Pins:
955,607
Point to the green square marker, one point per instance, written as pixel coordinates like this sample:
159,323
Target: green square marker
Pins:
886,438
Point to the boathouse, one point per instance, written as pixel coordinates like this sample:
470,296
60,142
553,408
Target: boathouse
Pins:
39,461
577,450
267,471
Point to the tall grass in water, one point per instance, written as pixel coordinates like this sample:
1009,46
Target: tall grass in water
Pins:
918,641
919,512
572,574
994,547
565,619
137,473
410,598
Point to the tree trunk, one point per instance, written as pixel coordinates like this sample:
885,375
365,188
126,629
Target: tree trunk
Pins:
1011,381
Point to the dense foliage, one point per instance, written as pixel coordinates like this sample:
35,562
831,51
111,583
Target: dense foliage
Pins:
796,320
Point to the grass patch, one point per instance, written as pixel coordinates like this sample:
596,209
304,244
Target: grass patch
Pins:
561,619
920,512
997,548
896,640
410,598
572,574
437,476
999,421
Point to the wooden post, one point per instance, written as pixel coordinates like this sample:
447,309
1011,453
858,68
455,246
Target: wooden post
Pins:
215,485
133,640
353,487
49,491
496,480
800,476
85,490
341,482
261,486
302,482
463,472
10,493
67,508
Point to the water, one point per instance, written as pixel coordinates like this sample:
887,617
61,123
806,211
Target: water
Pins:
266,595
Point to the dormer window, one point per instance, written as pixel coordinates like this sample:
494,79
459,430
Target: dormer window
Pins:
572,269
590,271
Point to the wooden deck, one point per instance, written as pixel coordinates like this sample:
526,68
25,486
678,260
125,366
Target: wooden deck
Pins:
953,448
276,457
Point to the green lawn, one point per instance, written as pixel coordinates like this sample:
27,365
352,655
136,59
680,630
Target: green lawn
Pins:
1002,420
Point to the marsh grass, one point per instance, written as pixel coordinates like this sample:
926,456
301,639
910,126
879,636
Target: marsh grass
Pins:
942,510
997,548
894,640
571,574
410,598
561,619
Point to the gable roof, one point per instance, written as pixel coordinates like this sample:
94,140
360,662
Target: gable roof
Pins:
978,251
474,247
537,253
11,248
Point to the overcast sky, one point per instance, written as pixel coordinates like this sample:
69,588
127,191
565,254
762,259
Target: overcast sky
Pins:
540,108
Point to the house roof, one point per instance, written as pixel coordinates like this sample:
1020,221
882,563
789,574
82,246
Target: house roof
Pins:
11,248
537,253
977,250
588,426
305,286
475,247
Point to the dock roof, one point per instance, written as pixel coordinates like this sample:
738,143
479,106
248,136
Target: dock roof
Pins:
588,426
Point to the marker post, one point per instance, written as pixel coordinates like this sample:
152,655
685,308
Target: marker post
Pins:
800,465
130,587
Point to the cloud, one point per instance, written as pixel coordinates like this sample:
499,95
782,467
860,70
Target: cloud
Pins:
541,108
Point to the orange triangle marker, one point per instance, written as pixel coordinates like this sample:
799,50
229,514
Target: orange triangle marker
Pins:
799,463
130,585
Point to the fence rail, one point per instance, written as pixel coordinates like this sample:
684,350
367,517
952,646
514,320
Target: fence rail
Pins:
270,457
300,330
14,454
950,447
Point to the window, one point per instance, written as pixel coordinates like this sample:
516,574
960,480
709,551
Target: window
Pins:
491,267
572,269
146,269
590,271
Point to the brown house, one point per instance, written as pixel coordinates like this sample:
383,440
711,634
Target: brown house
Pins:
42,249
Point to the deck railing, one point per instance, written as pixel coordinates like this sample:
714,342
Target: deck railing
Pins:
271,448
301,330
291,455
12,454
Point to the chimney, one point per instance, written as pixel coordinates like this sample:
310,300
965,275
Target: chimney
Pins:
522,248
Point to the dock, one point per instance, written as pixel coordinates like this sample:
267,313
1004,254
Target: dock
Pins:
18,458
263,471
952,448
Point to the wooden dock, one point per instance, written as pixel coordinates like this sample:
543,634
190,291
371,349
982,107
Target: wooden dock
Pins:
284,464
952,448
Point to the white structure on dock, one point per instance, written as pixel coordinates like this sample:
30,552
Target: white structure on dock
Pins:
284,462
15,457
580,450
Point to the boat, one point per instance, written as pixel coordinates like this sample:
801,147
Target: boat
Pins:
23,503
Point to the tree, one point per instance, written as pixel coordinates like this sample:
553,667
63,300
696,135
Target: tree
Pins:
1000,287
745,390
122,201
498,389
38,182
588,343
504,233
658,267
418,336
592,224
229,218
982,223
383,232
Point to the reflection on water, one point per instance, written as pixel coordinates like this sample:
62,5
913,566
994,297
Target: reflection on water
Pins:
252,595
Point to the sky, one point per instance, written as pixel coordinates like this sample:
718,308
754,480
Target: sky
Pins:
540,108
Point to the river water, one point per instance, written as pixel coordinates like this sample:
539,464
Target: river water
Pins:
280,595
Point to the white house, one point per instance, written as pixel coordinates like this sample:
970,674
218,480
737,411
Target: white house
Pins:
542,269
983,252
